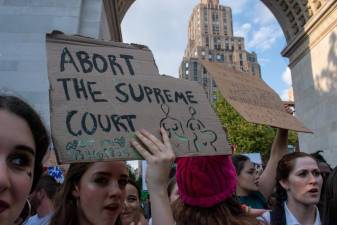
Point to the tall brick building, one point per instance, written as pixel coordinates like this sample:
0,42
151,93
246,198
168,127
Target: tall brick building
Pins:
210,37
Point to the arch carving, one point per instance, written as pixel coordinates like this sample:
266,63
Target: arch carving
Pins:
293,15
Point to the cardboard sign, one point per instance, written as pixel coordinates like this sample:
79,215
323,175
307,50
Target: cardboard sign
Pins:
252,98
94,114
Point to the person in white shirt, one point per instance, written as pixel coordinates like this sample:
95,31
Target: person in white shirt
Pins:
298,189
43,197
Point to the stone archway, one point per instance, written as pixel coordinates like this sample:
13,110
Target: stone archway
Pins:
310,29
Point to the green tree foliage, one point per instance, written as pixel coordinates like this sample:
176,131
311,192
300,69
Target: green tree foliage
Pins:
248,137
132,174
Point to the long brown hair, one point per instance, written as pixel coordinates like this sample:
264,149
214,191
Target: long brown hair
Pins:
66,203
228,212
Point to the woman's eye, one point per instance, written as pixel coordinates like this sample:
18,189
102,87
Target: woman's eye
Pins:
251,172
122,183
101,181
302,174
316,173
131,199
20,161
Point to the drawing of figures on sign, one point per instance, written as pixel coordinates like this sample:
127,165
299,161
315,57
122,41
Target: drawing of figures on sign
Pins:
202,137
173,127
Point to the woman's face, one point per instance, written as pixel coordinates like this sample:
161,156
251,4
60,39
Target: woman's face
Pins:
17,155
131,210
248,178
101,193
304,182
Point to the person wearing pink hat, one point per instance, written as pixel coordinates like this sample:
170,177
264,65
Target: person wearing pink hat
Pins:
206,189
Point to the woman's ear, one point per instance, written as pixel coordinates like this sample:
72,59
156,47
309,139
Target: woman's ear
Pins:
76,191
284,184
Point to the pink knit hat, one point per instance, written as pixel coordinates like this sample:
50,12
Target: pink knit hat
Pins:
205,181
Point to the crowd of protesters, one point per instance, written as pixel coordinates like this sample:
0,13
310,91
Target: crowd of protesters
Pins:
293,189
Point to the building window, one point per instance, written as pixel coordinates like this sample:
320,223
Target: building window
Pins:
214,97
195,68
205,81
216,28
215,17
217,43
213,83
186,65
230,59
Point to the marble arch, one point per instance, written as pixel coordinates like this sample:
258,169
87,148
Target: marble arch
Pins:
310,29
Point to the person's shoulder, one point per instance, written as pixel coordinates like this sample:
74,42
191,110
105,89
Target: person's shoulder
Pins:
30,220
265,217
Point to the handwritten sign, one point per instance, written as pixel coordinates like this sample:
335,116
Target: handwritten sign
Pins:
252,98
97,105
